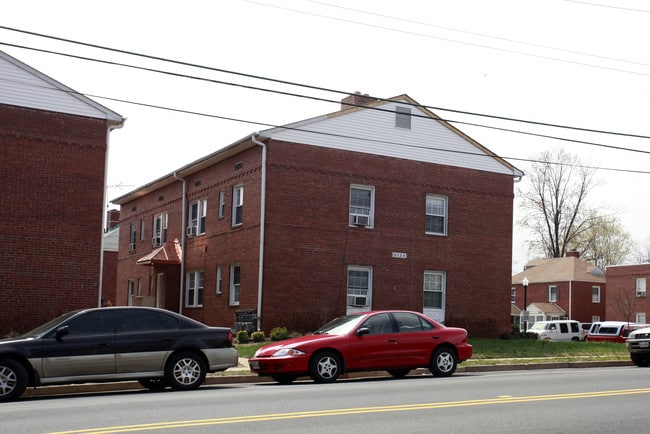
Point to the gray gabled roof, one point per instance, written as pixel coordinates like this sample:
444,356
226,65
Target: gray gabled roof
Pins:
23,86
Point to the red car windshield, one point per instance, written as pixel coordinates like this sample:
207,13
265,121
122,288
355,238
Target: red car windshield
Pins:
341,325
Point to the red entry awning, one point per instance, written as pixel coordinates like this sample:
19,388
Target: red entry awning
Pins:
167,254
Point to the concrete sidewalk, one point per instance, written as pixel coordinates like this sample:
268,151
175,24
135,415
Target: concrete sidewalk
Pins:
241,374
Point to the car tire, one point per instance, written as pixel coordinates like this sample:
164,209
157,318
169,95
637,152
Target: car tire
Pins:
284,379
640,360
185,371
443,362
13,380
325,367
399,373
153,384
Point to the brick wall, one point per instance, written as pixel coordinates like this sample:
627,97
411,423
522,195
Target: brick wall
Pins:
51,195
309,244
622,301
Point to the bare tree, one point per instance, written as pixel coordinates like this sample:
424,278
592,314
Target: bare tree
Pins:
641,254
624,304
556,211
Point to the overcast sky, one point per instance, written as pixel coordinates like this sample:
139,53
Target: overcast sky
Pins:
579,64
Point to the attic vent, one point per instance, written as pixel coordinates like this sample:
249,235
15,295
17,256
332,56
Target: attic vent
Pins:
403,117
160,198
239,166
197,183
133,209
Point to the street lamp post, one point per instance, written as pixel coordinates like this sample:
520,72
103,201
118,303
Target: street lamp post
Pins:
525,283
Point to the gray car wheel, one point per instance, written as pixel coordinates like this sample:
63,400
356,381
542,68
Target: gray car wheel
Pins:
325,367
13,380
443,362
185,371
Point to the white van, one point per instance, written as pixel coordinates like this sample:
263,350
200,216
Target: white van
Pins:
558,330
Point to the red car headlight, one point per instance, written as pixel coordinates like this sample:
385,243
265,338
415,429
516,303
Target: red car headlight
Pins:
287,352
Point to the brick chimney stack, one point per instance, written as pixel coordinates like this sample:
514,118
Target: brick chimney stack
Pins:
356,99
573,254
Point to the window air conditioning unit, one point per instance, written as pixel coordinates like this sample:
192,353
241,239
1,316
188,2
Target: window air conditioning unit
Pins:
640,294
132,247
191,231
361,220
155,241
359,301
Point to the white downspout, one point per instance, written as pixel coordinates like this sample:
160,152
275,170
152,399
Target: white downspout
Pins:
570,297
181,291
260,271
100,295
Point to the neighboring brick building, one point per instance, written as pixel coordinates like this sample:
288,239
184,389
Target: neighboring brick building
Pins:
561,288
53,145
627,293
377,207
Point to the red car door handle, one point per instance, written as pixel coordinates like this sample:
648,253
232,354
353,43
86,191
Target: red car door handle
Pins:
436,337
392,340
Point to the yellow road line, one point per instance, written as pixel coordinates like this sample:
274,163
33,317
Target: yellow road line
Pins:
351,411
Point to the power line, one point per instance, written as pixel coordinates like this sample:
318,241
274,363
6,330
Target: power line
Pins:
346,136
483,35
408,32
279,81
256,88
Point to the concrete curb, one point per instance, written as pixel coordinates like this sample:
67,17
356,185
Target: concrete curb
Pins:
244,376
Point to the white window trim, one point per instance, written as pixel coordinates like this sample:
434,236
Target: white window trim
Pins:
371,211
552,299
219,288
237,202
195,299
641,287
235,290
159,237
597,300
201,214
445,216
222,204
368,294
443,289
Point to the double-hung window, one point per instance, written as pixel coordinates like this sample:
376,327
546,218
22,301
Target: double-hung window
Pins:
235,284
133,236
359,286
640,287
194,289
436,215
362,204
237,205
595,294
553,291
198,211
434,290
159,229
222,204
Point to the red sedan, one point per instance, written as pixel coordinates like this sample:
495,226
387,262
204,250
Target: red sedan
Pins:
395,341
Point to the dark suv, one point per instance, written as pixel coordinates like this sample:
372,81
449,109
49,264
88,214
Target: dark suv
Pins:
157,347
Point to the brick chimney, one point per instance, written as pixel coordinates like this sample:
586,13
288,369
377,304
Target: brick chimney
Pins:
356,99
112,218
573,254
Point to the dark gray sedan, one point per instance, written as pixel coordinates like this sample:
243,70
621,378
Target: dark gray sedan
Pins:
157,347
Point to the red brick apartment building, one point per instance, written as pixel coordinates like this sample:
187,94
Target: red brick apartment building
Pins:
381,205
627,293
53,145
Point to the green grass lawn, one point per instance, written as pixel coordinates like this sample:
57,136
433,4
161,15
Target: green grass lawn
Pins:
492,351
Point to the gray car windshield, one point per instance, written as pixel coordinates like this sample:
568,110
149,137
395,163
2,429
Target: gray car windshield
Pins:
341,325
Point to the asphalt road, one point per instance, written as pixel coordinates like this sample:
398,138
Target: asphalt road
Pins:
572,400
